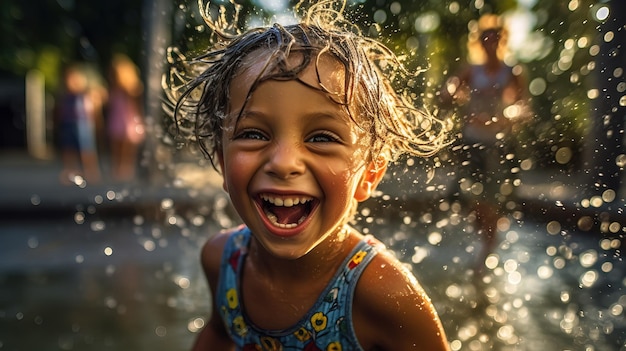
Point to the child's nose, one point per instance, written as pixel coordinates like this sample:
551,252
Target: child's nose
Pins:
285,161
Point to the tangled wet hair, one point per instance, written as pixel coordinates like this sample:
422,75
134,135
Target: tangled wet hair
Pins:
198,91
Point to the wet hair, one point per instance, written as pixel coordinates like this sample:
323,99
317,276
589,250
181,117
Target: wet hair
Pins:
200,102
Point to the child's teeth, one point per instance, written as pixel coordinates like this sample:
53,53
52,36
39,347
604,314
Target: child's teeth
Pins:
274,220
286,202
272,217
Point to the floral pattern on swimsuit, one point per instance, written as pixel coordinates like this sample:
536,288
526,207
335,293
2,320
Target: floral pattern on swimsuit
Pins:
326,327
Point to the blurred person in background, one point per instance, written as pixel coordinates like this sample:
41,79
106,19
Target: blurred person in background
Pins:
125,125
99,95
492,101
76,113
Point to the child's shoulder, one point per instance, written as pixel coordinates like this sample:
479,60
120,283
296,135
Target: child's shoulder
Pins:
390,295
387,275
219,240
213,248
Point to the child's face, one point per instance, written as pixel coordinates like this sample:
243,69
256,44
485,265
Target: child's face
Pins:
76,81
294,163
490,41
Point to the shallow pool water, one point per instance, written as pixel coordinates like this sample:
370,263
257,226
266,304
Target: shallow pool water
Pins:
131,283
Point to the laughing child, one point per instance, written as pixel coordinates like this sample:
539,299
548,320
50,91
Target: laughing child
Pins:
301,121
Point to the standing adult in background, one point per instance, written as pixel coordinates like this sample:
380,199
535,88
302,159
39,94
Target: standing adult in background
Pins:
126,127
75,118
492,100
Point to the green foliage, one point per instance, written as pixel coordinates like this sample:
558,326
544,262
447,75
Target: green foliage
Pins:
562,36
46,34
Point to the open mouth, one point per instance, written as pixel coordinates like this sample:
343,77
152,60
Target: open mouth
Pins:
286,211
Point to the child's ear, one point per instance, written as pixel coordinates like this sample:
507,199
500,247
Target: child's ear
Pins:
372,175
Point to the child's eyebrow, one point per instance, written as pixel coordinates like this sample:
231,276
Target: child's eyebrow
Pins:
336,115
329,115
247,114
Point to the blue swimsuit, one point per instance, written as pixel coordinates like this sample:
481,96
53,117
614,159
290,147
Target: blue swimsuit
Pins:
327,326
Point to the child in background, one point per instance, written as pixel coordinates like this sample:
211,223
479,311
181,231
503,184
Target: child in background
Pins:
125,117
76,114
302,120
494,106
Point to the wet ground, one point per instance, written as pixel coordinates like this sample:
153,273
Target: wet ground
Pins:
120,270
118,286
125,284
545,287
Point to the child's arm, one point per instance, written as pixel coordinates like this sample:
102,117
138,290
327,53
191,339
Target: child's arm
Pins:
214,335
392,311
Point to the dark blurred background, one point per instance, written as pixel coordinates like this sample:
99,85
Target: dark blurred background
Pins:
114,265
560,44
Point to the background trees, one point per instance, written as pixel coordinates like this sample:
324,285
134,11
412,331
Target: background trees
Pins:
557,42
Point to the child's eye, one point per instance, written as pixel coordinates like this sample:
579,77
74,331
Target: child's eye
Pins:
324,137
251,134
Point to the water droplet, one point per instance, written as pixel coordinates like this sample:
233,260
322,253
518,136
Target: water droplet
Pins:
596,201
97,226
588,258
435,238
148,245
167,204
454,291
563,155
160,331
559,263
35,200
110,195
79,217
616,309
588,278
98,199
585,223
553,227
33,242
110,302
195,325
492,261
420,254
544,272
602,13
182,282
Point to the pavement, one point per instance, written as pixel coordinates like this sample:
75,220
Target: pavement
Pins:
114,283
31,186
121,284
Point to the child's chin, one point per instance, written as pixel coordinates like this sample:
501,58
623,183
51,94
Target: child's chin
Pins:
288,252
